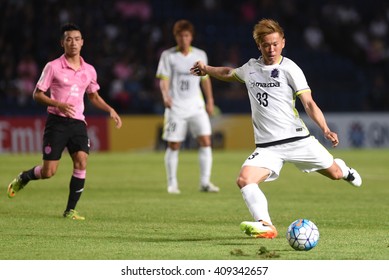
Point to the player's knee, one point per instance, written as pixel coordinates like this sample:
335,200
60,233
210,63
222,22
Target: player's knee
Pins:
334,172
80,165
46,174
204,141
241,182
174,145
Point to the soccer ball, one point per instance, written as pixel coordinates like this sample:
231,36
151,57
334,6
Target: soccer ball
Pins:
302,235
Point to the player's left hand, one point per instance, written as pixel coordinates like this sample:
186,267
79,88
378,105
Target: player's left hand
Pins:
116,118
333,137
209,107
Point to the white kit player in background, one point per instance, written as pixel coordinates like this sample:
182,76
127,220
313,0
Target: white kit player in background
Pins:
185,108
273,83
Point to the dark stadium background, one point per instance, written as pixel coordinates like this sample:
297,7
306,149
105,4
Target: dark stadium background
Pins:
341,45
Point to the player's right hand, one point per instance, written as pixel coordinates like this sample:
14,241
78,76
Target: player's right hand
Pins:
198,69
66,109
167,101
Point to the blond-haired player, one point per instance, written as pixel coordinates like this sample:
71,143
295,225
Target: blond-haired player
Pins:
273,83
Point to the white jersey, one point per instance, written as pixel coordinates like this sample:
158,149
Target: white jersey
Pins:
272,90
184,87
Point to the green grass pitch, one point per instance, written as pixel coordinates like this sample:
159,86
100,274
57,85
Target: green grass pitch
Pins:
130,216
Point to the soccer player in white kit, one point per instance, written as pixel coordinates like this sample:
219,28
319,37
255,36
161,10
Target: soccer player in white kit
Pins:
273,82
184,105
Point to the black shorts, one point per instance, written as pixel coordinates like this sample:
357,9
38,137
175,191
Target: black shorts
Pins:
60,133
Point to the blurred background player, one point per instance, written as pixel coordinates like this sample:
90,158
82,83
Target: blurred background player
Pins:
68,77
273,82
184,105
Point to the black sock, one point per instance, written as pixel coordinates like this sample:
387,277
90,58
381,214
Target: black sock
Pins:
75,190
28,175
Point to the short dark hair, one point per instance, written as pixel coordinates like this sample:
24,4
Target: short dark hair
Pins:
69,27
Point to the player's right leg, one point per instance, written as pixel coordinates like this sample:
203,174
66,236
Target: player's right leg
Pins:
54,141
38,172
174,132
260,229
257,204
16,185
262,165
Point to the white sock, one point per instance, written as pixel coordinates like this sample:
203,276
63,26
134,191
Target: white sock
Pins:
171,164
205,161
345,169
256,202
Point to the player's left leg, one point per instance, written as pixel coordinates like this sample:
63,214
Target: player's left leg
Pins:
78,147
309,155
200,127
205,161
76,186
339,170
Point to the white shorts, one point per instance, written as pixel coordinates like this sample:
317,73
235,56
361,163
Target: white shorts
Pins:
307,155
175,129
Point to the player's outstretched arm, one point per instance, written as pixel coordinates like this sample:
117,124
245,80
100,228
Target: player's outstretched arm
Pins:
220,73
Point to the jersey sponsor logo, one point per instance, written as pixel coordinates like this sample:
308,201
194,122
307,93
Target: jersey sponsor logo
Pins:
180,73
264,85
